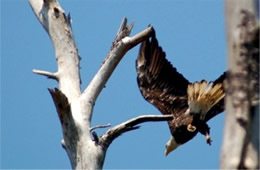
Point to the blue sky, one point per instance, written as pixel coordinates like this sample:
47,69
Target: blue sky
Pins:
190,32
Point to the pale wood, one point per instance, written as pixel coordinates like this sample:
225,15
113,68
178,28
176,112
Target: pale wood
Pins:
73,107
48,74
132,124
240,147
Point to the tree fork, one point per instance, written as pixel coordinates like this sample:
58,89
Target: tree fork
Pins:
75,108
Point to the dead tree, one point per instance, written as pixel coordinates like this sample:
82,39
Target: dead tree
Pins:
75,108
240,149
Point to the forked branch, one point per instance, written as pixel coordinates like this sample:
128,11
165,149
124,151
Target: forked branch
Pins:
75,108
122,43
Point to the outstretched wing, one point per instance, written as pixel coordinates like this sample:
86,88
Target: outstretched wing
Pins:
158,81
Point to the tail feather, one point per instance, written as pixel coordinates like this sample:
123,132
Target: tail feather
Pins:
202,96
202,87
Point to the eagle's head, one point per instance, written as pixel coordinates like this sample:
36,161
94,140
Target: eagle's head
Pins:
171,145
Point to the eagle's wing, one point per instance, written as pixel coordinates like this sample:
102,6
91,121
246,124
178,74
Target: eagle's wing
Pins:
159,82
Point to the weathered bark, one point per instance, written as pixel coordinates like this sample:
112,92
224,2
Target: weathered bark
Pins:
241,135
74,107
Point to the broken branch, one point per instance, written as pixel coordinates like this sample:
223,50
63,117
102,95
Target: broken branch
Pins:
50,75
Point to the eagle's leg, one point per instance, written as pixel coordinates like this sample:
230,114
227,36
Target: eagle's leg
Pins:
208,139
204,129
191,128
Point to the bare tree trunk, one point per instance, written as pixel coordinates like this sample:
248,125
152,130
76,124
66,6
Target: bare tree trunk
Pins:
73,106
240,149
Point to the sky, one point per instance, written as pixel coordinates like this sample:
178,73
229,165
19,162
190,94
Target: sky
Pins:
192,33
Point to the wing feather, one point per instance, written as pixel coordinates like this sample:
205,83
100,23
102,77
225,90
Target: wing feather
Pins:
161,84
157,78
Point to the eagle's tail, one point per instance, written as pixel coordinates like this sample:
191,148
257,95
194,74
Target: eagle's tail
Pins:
202,96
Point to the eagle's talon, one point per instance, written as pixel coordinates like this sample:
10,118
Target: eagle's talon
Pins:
191,128
208,139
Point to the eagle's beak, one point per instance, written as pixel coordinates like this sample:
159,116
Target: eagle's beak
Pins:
166,152
170,146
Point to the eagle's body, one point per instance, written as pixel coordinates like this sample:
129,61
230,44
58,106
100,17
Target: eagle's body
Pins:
191,105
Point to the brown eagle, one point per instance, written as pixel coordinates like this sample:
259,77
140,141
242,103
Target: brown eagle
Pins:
191,104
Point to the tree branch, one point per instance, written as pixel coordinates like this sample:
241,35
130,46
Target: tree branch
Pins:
107,138
120,46
47,74
69,128
57,25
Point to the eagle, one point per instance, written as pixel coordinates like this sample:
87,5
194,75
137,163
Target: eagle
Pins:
191,104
